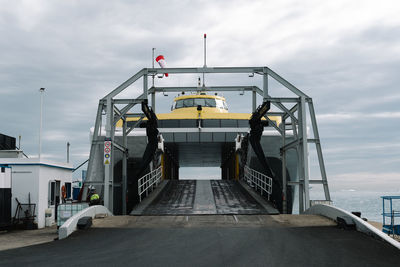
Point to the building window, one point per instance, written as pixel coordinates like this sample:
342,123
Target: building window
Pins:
68,189
52,190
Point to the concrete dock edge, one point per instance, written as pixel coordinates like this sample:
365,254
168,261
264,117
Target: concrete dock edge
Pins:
333,212
70,225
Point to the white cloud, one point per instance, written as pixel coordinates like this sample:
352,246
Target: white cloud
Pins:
342,117
344,54
54,135
371,147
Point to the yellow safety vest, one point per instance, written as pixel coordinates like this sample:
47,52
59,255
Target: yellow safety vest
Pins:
94,197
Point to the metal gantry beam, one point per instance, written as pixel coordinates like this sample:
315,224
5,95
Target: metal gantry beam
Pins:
265,71
284,178
304,150
296,114
107,170
254,100
265,84
125,157
205,89
319,151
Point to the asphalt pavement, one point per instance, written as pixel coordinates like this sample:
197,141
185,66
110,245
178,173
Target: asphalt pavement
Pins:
269,244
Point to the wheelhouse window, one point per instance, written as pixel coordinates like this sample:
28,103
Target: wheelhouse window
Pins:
188,102
179,104
204,102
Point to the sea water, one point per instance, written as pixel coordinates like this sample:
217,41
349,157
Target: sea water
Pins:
369,203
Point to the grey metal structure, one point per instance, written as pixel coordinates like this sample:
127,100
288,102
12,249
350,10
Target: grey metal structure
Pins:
293,111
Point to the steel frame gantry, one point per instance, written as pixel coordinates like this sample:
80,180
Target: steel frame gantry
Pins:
292,111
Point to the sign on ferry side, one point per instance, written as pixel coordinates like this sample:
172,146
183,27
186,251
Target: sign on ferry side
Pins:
107,152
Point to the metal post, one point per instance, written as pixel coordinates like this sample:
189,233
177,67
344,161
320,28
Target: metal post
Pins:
153,95
205,57
383,211
265,84
153,101
41,123
112,161
284,182
304,145
152,63
319,151
124,166
92,153
254,100
205,53
145,85
107,169
68,144
300,161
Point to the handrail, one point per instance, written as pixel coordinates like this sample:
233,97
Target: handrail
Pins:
392,227
149,181
258,180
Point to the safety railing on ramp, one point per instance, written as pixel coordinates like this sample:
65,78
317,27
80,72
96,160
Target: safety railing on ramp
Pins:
258,181
148,182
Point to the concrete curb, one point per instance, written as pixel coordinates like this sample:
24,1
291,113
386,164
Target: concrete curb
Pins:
361,225
70,225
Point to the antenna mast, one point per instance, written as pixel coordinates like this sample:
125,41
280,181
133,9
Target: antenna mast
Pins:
205,56
152,64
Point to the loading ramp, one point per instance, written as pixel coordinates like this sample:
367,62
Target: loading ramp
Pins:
204,197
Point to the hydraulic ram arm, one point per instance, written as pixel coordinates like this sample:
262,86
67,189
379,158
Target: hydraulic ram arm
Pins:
152,136
256,130
260,112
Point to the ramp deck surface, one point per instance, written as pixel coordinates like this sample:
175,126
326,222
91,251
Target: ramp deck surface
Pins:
190,197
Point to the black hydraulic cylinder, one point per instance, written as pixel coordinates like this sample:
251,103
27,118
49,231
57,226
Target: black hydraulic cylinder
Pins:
256,130
152,136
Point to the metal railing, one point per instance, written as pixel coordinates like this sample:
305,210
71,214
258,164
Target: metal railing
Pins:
148,182
258,181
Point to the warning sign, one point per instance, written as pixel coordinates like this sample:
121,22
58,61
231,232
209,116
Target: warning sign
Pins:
107,152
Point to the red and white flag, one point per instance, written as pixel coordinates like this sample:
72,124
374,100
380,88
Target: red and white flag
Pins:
161,61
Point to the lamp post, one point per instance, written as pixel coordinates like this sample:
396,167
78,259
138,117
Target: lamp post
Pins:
68,144
41,90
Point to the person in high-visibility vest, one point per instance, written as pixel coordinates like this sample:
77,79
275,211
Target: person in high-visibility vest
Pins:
94,198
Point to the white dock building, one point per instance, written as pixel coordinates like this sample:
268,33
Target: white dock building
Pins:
41,181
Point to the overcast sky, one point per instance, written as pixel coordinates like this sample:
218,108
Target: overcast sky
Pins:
344,54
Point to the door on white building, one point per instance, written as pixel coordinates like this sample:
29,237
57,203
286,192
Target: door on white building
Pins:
54,196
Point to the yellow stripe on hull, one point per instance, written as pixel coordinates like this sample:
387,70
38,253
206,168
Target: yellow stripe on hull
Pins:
205,116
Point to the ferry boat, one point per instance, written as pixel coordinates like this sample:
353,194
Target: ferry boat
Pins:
201,132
